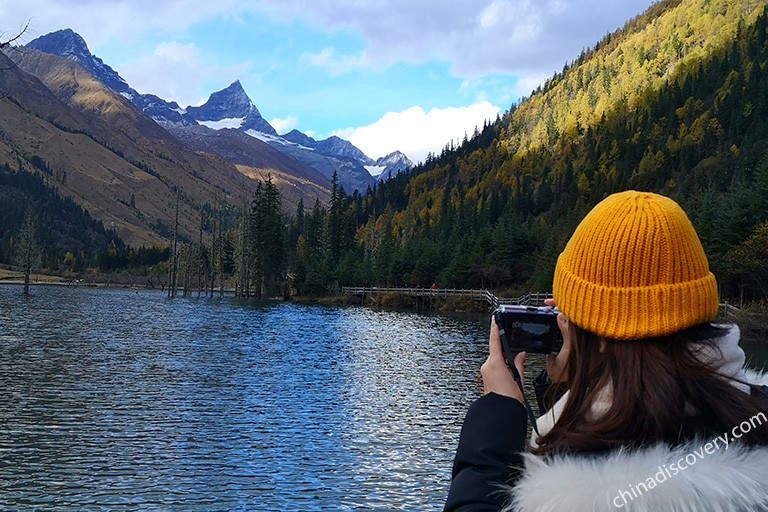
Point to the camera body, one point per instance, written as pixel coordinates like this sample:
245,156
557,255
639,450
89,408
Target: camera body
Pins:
529,328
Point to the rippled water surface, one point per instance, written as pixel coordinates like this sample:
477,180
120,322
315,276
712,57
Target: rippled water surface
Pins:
115,400
118,400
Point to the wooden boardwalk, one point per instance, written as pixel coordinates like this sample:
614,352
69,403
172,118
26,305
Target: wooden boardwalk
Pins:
482,295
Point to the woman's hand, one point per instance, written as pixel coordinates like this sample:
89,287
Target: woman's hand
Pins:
557,364
497,377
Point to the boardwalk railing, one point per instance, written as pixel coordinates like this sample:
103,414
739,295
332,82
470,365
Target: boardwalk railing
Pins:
529,299
728,310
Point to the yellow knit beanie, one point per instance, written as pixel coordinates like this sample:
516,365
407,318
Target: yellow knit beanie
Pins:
634,268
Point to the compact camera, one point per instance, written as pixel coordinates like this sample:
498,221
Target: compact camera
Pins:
529,329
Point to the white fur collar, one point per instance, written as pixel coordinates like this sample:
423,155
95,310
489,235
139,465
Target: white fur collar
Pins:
728,480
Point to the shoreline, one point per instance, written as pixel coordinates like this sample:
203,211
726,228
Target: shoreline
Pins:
399,301
752,320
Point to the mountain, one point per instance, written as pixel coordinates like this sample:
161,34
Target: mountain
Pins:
352,175
69,44
333,146
231,108
300,138
125,168
256,160
97,149
675,102
390,165
66,231
337,147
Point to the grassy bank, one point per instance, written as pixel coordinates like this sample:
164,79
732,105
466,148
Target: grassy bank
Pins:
14,277
402,301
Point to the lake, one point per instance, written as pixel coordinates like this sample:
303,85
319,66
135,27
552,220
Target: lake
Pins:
125,400
115,399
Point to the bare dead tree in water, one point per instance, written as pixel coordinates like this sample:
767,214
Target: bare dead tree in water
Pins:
220,267
187,251
199,253
212,274
27,249
243,239
174,256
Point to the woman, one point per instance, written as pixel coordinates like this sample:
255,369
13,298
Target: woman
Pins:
660,414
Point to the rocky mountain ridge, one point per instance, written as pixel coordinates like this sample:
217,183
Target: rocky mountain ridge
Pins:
228,108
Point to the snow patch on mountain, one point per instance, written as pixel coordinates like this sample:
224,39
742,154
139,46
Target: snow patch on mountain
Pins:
375,170
228,122
265,137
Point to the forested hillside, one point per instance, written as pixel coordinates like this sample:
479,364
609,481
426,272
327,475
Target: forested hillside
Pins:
66,236
679,102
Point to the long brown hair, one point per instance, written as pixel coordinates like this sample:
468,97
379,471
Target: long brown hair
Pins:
656,384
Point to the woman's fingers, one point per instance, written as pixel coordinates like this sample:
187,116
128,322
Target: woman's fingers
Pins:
494,341
497,377
557,364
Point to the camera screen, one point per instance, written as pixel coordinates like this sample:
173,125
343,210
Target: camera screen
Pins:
530,336
530,329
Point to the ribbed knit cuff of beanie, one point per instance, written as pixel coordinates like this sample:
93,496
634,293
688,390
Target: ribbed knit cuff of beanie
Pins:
634,269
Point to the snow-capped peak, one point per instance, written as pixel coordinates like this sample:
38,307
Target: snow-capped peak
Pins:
395,158
392,164
230,103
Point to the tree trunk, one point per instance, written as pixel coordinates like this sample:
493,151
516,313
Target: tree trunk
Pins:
220,267
199,268
174,254
187,264
213,258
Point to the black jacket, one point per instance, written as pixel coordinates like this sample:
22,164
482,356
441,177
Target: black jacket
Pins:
489,454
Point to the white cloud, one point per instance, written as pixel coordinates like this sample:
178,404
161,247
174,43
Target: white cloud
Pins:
113,20
517,37
284,124
416,132
177,71
335,64
527,84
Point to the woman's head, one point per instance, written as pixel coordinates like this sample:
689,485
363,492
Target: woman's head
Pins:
634,268
635,283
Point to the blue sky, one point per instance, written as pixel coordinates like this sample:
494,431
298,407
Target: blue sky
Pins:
386,74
